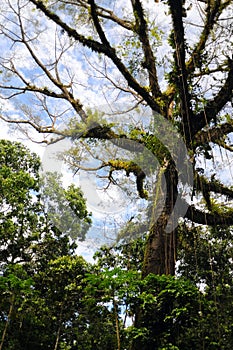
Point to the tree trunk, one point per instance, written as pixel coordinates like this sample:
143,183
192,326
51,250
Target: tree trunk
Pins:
160,249
12,302
160,252
117,324
59,328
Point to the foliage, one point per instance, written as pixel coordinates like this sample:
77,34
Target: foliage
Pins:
34,252
19,210
65,208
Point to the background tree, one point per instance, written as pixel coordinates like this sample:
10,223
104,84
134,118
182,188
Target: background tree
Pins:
23,216
29,242
19,210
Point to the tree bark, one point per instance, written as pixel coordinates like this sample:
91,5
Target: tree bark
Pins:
117,324
8,320
59,329
160,249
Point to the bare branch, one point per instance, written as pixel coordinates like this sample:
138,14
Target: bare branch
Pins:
39,128
103,13
100,48
212,14
214,106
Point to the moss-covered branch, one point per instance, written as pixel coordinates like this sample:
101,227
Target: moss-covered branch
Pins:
109,15
97,24
141,29
131,167
221,218
214,134
179,74
202,184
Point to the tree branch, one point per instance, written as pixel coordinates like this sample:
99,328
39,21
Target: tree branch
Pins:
97,25
131,167
100,48
202,218
33,88
141,29
214,106
213,12
202,184
180,74
39,128
215,134
104,13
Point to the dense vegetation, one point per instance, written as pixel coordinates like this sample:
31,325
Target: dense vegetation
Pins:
53,299
165,71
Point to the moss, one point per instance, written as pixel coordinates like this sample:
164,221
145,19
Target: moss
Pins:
153,144
131,167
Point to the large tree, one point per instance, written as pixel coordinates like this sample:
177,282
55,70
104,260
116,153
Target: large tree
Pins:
171,58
